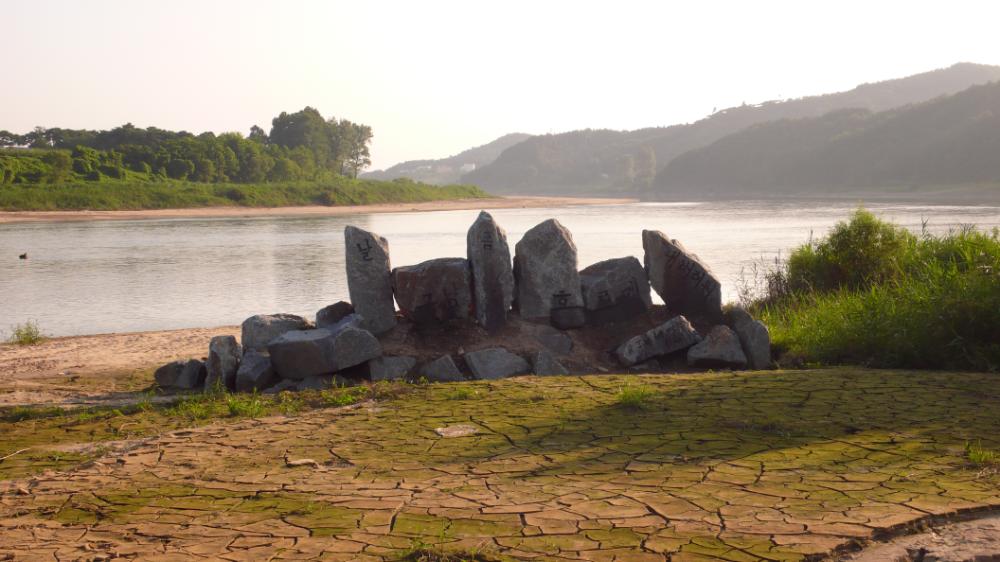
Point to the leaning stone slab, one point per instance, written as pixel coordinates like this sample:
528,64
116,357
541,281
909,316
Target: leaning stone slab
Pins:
390,368
495,363
548,285
544,364
368,279
686,285
615,290
259,330
754,337
331,315
300,354
442,369
720,348
183,375
223,362
255,372
673,335
434,291
492,275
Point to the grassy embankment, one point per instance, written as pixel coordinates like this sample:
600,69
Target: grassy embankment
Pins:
168,194
872,293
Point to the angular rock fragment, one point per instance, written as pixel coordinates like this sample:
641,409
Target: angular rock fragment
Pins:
390,368
673,335
223,361
615,290
434,291
554,340
255,372
259,330
547,283
301,354
686,285
442,369
331,315
495,363
720,348
544,363
182,375
492,275
368,279
754,337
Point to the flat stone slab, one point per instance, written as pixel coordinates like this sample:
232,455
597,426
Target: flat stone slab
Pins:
434,291
495,363
259,330
673,335
457,431
369,281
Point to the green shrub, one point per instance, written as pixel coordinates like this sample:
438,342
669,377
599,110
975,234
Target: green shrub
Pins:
633,395
245,405
26,334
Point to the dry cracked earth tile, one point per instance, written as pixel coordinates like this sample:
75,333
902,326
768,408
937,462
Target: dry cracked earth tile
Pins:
718,466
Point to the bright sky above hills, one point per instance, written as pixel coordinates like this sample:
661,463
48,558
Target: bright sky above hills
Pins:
436,77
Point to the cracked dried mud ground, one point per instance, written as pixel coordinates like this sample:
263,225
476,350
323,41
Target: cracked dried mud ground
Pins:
719,466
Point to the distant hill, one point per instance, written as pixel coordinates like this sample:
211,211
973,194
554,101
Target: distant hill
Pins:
604,161
950,140
448,170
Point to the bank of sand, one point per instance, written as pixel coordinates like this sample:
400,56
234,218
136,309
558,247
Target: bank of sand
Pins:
318,211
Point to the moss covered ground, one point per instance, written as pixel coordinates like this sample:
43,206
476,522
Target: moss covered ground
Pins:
784,465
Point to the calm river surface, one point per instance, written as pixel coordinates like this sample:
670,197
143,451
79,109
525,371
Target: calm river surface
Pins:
117,276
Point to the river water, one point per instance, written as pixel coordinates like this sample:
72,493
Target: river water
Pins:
119,276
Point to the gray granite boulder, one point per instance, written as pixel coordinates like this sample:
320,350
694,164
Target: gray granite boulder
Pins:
181,375
259,330
754,337
492,276
547,282
369,281
615,290
301,354
720,348
442,369
434,291
255,372
223,361
686,285
554,340
331,315
390,368
495,363
544,364
673,335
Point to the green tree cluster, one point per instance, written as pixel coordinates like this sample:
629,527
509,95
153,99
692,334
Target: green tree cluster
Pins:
301,146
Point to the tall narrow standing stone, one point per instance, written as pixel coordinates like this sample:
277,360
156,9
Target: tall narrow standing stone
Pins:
548,284
686,285
492,276
368,279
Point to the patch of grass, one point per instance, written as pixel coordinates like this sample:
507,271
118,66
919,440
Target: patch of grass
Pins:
22,413
460,393
980,457
26,334
245,405
633,395
345,396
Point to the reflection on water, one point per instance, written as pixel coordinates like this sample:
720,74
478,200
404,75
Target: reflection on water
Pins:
93,277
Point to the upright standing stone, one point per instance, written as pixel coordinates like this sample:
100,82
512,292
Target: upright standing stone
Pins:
548,285
434,291
686,285
368,279
223,362
615,290
492,276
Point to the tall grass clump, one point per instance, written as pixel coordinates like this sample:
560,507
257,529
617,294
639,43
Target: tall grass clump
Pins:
26,334
872,293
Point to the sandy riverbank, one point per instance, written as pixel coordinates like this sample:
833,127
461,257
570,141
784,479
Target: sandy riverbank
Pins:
214,212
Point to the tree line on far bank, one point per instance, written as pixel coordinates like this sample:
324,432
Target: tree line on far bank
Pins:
301,146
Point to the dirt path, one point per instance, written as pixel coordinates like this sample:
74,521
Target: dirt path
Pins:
206,212
726,466
81,369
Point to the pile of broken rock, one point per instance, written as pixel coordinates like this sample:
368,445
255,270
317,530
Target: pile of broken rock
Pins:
535,314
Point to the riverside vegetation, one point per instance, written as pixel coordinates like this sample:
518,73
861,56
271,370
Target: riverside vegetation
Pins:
872,293
304,160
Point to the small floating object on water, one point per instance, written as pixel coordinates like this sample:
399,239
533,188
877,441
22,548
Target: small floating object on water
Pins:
23,256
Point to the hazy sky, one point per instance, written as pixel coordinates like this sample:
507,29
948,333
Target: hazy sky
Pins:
434,78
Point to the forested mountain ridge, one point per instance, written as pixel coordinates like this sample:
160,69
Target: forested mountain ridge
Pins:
952,140
449,170
615,162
